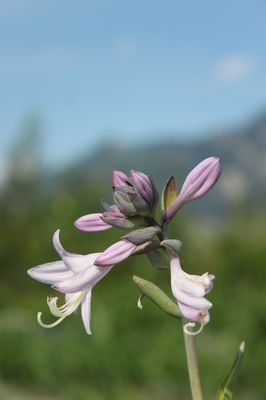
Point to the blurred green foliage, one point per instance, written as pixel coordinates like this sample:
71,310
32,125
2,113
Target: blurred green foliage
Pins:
132,354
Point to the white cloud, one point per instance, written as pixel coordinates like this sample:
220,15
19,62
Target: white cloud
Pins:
234,68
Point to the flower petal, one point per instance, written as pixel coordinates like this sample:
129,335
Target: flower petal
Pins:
75,262
91,223
86,312
200,303
50,273
190,313
119,179
193,314
82,280
187,284
143,185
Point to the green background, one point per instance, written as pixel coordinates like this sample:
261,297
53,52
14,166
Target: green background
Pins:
132,354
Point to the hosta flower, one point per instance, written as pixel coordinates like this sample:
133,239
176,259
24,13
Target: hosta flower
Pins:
198,182
75,276
189,291
134,196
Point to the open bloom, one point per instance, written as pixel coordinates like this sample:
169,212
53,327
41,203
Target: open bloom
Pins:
134,196
75,276
189,291
198,182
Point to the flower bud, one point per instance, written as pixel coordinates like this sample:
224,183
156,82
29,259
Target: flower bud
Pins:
141,205
140,236
119,179
198,182
117,220
143,185
116,253
91,223
124,203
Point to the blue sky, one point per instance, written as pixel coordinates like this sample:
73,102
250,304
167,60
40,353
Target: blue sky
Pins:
128,71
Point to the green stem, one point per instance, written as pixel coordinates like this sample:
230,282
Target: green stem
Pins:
193,369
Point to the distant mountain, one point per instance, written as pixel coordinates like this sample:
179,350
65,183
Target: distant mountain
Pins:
242,151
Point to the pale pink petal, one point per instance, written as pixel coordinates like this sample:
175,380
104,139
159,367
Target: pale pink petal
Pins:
50,273
86,312
192,314
75,262
200,303
143,185
119,179
82,280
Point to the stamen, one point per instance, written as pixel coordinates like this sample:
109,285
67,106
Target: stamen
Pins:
192,325
42,324
62,311
139,304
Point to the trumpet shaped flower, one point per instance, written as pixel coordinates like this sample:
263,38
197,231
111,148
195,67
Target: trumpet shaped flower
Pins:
75,276
189,291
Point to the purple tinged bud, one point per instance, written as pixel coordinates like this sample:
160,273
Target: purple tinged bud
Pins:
91,223
117,219
143,185
141,205
115,253
146,247
119,179
198,182
140,236
124,203
109,207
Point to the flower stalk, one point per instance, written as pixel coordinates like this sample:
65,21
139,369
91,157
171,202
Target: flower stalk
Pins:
192,364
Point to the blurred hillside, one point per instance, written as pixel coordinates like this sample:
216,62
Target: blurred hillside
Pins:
132,354
242,150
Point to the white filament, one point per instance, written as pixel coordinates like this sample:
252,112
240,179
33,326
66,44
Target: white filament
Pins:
139,304
62,311
187,328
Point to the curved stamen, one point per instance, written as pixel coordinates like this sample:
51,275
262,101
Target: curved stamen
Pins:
57,322
188,328
61,311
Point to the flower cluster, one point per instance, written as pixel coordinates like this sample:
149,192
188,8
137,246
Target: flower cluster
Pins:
135,198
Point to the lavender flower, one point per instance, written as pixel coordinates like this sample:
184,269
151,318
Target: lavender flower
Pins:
75,275
189,291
